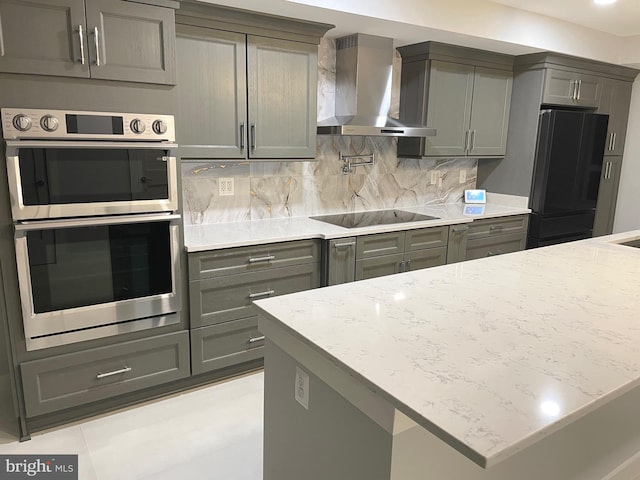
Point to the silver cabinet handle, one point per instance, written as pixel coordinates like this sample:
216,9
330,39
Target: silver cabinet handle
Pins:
492,254
97,44
253,136
81,35
610,146
256,339
496,227
473,140
608,172
573,89
242,136
615,137
466,141
401,266
344,245
408,266
579,88
115,372
266,293
460,229
268,258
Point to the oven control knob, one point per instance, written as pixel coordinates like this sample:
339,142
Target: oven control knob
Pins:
137,125
49,123
159,127
22,122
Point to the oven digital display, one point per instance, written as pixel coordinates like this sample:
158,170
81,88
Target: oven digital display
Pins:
95,124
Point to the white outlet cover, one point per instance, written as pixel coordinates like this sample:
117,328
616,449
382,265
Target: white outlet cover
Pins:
302,388
463,176
226,186
434,177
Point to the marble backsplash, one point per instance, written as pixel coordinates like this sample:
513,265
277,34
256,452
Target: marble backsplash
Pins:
282,189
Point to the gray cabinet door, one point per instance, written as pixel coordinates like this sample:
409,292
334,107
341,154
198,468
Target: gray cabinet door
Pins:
212,101
380,244
225,345
379,266
282,100
131,42
419,259
341,261
559,87
457,246
449,108
589,90
426,238
43,37
615,101
607,196
490,112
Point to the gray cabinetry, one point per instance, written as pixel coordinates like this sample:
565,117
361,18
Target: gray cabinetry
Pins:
457,246
607,196
615,101
65,381
244,96
105,39
465,94
340,261
495,236
224,283
566,87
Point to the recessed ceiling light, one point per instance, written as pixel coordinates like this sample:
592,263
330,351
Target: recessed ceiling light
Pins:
604,2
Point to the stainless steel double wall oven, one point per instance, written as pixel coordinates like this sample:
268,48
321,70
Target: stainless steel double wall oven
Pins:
94,200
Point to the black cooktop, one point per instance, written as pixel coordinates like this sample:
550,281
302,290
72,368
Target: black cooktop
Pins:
371,218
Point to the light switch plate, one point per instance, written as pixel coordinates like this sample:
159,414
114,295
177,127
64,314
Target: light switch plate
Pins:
434,177
226,186
463,175
302,388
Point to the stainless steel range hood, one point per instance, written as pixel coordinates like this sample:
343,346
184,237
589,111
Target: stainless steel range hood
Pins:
363,91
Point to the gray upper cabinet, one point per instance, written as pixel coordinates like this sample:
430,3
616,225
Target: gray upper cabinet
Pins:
464,94
103,39
566,87
615,101
43,37
212,98
244,96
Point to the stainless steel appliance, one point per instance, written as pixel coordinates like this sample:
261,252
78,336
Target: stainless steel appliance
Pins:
94,202
566,176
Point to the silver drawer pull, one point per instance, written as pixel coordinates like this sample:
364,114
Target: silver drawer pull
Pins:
268,293
81,35
344,245
493,254
461,229
256,339
268,258
115,372
496,227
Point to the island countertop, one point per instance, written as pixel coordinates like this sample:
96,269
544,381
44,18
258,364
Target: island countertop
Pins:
490,355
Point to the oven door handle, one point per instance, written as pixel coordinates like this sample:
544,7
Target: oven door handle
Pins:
94,221
16,144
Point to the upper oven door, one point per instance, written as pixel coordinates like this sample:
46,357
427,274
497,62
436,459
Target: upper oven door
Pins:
55,179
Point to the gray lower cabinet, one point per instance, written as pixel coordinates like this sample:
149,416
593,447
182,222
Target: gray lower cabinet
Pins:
103,39
245,97
339,261
607,196
495,236
378,266
222,287
66,381
231,343
457,246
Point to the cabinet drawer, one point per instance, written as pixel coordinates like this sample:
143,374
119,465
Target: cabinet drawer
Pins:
426,238
73,379
227,344
256,258
226,298
379,244
488,247
427,258
497,226
378,266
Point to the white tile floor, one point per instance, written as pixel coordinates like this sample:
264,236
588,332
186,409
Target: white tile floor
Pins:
214,432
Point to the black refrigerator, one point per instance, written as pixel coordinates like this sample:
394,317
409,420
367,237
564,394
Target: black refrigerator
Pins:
566,176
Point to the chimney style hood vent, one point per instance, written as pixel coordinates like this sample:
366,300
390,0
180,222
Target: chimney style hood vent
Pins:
364,65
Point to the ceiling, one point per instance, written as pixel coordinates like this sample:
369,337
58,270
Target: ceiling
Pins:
621,19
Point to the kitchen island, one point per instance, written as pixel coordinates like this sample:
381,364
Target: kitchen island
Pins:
523,366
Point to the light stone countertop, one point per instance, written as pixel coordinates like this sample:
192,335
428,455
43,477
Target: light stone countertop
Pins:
490,355
215,236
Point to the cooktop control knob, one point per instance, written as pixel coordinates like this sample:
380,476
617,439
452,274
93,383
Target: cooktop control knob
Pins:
49,123
22,122
137,125
159,127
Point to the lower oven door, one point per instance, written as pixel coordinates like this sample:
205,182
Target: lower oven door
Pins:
93,277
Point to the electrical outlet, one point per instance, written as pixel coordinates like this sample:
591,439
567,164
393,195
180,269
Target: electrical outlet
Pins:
463,176
434,177
302,388
226,187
